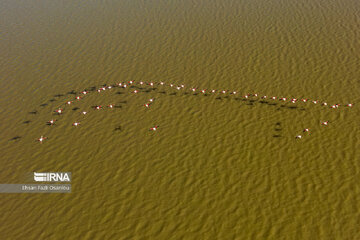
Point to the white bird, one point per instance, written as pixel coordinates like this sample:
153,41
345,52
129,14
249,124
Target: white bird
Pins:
298,137
51,122
154,128
84,113
151,99
41,139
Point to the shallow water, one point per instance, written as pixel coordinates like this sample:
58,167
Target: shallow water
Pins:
226,168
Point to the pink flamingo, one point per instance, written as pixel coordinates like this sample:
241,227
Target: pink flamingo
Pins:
41,139
154,128
59,111
51,122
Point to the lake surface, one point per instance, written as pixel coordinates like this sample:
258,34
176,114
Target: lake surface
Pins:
219,166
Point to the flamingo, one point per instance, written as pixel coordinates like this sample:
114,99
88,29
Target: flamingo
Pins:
130,82
213,91
98,107
151,84
135,91
69,102
161,83
41,139
223,91
58,111
141,83
84,92
325,123
154,128
234,92
51,122
306,130
349,105
203,91
304,100
264,97
273,98
193,89
78,98
76,124
110,105
147,105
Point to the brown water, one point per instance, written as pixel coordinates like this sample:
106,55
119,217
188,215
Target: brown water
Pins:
216,168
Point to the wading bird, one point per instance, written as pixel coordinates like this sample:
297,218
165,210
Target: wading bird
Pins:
153,128
51,122
58,111
41,139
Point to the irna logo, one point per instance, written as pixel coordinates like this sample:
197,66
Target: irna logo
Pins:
52,177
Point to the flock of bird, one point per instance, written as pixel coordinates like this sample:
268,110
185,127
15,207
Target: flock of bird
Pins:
182,87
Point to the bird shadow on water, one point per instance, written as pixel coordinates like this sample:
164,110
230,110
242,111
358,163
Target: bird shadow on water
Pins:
15,138
277,129
34,112
117,128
